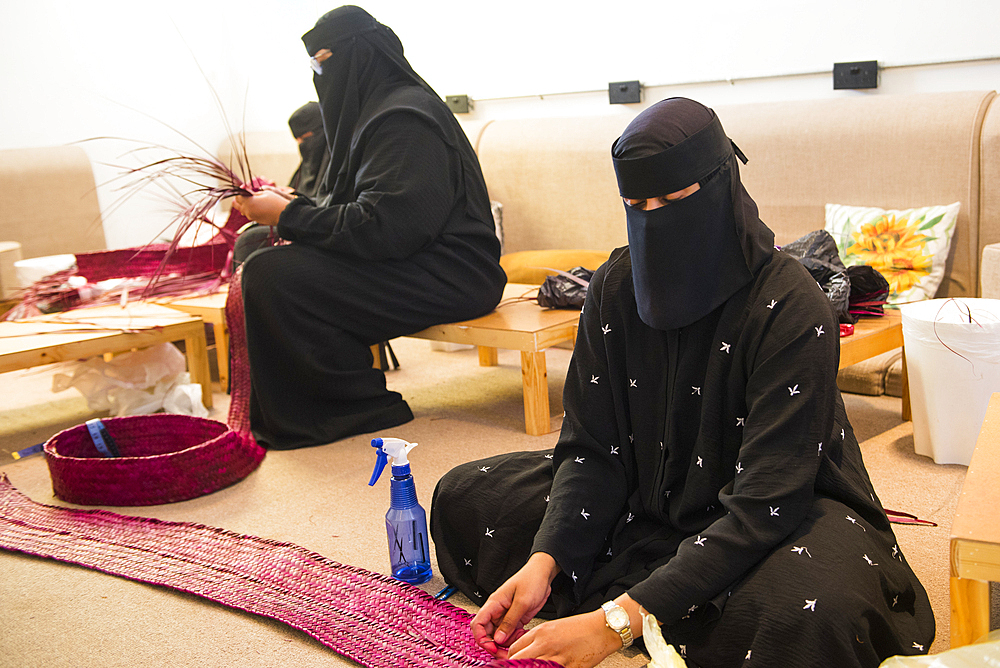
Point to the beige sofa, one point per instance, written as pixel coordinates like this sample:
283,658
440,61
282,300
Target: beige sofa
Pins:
48,206
556,183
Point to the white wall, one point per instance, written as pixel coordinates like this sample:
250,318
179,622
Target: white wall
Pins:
73,70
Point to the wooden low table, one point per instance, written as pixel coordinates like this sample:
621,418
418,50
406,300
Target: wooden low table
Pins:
517,325
874,336
85,333
975,536
212,310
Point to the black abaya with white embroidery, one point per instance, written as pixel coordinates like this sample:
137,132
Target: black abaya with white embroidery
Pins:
710,472
400,238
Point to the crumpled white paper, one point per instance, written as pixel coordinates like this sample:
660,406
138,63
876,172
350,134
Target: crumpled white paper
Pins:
136,383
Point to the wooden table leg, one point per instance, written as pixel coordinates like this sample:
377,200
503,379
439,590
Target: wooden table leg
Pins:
221,333
970,611
487,356
534,377
196,349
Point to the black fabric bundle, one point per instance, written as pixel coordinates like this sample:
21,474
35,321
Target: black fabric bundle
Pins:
559,291
858,290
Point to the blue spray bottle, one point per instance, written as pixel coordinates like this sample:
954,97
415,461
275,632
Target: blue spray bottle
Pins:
406,521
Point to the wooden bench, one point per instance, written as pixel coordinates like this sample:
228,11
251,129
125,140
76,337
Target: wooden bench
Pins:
975,535
514,325
84,333
874,336
521,325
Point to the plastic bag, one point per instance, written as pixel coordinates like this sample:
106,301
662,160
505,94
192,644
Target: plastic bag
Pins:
817,251
561,291
869,290
136,383
984,653
661,655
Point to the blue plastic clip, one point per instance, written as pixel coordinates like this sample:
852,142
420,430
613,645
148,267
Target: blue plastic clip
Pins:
102,439
446,592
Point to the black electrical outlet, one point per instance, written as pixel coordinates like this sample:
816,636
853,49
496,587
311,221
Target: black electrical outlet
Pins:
624,92
459,104
862,74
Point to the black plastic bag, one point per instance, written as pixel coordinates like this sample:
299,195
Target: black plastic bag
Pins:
560,291
869,290
817,251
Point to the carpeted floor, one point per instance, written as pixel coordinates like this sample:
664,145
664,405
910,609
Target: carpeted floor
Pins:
56,615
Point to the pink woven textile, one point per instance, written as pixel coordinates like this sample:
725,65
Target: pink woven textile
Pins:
370,618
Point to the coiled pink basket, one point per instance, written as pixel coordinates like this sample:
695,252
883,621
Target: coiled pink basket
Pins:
164,458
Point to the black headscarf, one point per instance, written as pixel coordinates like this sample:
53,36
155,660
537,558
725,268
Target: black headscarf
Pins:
315,156
689,256
365,78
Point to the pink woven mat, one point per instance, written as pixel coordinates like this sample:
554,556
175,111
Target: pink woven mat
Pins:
367,617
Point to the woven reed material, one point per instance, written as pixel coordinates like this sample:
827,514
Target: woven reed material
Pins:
369,618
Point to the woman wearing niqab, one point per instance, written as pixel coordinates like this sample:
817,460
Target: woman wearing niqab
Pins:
706,471
399,237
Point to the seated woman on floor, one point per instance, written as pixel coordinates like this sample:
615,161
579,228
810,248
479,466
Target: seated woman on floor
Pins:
706,471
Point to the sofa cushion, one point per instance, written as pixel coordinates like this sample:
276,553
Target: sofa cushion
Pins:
533,266
870,376
909,247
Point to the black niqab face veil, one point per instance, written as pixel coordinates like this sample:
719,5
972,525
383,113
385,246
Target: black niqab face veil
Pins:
306,124
366,61
689,256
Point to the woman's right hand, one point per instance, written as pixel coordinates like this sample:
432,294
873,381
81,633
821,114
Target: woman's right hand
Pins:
501,620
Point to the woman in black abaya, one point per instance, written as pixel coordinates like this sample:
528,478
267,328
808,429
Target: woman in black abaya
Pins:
706,471
400,237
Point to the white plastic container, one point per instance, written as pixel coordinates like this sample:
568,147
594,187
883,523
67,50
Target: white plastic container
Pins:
953,365
35,269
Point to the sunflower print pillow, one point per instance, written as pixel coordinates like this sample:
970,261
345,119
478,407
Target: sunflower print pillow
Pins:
908,247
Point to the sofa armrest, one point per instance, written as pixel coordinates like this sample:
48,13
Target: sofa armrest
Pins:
990,271
10,252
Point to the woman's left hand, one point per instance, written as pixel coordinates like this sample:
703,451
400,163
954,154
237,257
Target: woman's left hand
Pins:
580,641
264,207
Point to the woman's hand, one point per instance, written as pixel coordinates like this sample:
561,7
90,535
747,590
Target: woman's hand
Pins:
502,618
264,207
580,641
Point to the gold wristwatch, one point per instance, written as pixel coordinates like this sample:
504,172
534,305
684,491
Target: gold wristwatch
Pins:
618,621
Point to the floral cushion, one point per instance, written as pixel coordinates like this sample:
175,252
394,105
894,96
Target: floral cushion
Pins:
908,247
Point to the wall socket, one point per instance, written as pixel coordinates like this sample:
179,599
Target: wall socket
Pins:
624,92
863,74
459,104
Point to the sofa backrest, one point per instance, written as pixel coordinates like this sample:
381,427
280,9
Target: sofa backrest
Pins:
48,201
989,173
556,182
892,152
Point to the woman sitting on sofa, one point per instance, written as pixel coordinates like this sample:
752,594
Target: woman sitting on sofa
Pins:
706,471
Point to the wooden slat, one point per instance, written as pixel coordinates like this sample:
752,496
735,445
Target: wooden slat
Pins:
975,535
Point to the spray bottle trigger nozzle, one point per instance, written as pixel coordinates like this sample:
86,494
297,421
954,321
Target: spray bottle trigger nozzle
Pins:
380,461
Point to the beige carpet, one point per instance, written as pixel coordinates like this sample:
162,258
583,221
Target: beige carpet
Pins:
57,615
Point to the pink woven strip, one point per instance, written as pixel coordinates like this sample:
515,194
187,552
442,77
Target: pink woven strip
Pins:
239,381
364,616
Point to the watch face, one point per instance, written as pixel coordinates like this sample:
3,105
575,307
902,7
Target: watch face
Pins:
617,618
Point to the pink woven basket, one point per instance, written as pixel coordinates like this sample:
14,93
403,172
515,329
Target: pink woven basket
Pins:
165,457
